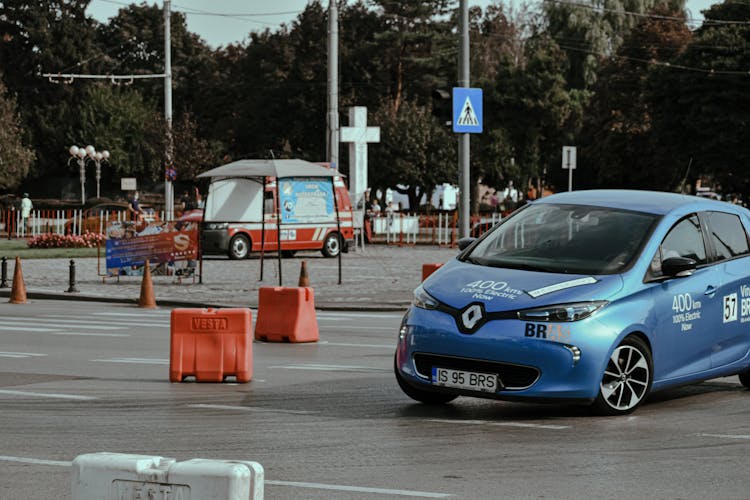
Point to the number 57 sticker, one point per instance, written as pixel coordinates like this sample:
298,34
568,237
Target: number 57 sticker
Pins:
730,308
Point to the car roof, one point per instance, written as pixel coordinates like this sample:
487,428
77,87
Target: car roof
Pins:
655,202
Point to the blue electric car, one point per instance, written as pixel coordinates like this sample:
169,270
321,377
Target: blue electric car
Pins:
597,297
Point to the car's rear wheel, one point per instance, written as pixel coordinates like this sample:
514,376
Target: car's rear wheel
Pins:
745,378
423,396
627,378
239,247
331,245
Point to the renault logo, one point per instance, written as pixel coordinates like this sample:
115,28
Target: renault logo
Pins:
472,317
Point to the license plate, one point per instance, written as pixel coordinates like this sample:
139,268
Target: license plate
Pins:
472,381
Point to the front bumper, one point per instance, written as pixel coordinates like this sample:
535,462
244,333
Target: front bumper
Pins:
564,367
214,241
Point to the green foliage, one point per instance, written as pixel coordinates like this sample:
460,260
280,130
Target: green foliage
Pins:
15,157
706,123
415,151
619,146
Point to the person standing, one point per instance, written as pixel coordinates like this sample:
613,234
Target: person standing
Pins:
26,207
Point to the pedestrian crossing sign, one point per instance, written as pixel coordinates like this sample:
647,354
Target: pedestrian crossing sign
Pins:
467,110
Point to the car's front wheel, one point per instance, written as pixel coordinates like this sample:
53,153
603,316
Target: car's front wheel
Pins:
426,397
745,378
627,379
239,247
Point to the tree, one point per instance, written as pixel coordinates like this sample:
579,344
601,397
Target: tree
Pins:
415,154
591,30
15,157
619,146
40,36
120,120
705,124
417,47
532,103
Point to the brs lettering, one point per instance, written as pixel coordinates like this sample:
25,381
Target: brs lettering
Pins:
538,330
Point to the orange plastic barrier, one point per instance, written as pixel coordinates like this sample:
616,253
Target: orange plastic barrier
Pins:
211,344
428,269
286,314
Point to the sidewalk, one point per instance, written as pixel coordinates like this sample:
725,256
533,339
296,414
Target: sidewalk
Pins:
378,278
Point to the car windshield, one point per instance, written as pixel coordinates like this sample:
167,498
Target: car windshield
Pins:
565,239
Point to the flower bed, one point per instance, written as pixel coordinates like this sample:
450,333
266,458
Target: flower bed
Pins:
86,240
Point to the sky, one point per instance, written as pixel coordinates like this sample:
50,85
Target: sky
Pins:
221,22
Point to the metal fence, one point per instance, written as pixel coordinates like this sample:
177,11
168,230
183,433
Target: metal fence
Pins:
54,221
393,229
414,229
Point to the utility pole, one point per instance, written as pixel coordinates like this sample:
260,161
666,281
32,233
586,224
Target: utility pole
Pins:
464,176
333,85
169,154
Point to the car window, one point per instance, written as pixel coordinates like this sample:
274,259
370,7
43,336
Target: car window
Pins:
727,234
685,239
566,239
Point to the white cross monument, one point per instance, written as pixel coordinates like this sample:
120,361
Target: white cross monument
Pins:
358,134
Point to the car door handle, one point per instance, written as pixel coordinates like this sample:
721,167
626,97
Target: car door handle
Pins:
710,290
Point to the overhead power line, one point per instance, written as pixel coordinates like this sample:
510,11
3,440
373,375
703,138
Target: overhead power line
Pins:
650,16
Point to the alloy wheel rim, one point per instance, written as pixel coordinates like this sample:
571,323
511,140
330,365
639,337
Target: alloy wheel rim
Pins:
626,378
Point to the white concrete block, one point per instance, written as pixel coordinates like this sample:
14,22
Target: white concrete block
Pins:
118,476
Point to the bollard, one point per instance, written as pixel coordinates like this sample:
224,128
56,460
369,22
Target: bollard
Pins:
4,277
72,278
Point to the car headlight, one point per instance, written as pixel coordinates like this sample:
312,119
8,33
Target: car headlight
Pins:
424,300
217,225
562,312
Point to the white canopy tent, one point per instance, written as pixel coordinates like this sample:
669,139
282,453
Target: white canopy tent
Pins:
262,169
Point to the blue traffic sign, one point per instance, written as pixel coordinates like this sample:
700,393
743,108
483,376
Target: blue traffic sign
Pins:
467,110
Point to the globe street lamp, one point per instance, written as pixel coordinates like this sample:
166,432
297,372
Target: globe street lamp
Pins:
80,155
99,157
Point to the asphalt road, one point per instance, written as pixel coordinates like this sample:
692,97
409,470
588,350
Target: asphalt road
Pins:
327,420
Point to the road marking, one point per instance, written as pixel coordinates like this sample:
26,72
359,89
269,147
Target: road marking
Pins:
359,489
294,484
19,354
134,361
93,334
131,315
252,409
47,395
726,436
332,368
345,344
62,323
35,461
500,424
27,329
367,328
355,314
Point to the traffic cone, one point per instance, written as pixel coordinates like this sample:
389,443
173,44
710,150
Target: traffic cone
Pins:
304,279
18,291
147,289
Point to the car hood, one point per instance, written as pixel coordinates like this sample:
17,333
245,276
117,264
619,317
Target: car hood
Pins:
458,284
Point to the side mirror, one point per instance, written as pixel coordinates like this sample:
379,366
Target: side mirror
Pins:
679,267
464,243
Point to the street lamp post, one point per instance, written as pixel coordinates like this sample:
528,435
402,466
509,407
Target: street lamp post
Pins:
80,155
99,157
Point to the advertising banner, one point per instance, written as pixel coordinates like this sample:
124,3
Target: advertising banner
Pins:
306,200
172,244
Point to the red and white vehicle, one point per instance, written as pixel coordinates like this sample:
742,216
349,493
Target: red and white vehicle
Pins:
234,211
